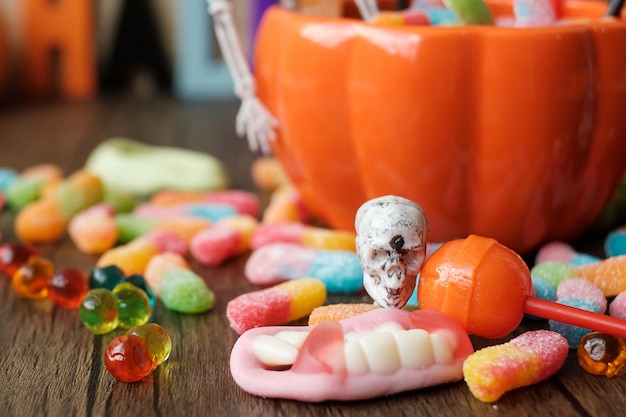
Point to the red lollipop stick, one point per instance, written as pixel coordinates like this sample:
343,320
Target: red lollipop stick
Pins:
575,316
485,286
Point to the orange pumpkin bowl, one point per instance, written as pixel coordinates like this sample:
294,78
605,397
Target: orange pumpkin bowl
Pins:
515,134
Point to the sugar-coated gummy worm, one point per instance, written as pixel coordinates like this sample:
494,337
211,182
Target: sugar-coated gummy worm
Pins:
339,270
381,352
527,359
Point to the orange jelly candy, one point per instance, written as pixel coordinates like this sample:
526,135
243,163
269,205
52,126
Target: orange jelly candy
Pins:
31,279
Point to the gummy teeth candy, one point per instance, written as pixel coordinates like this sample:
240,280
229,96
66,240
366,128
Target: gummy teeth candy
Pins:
381,352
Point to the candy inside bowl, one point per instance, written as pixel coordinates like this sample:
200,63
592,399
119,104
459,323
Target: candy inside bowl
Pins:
513,133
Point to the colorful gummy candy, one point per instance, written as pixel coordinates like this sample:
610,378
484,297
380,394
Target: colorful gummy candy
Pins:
128,358
133,257
377,353
30,280
532,13
302,234
140,282
276,305
285,205
158,340
32,184
607,274
602,354
527,359
267,173
94,230
133,356
573,333
581,289
159,264
617,308
335,312
563,252
339,270
13,255
131,227
183,290
615,242
46,220
105,277
67,287
225,201
98,311
133,305
227,238
470,12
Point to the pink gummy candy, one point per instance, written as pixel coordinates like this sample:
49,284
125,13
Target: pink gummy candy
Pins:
322,370
213,246
617,308
555,252
581,289
166,241
286,232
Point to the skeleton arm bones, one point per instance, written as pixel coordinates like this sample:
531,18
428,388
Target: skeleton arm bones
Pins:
253,119
367,8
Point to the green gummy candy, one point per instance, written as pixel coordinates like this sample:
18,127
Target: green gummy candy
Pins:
183,291
130,227
553,272
23,192
139,169
74,200
122,202
470,12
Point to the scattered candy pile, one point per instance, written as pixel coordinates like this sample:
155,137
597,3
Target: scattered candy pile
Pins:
469,286
526,13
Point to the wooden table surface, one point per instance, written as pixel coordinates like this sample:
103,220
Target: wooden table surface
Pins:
51,365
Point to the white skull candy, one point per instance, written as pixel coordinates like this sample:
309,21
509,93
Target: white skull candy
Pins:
391,243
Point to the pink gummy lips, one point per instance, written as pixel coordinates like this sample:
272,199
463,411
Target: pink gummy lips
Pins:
381,352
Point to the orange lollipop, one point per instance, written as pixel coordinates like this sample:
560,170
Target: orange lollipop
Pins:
486,287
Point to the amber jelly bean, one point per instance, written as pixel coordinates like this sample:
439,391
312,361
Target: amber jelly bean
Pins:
30,280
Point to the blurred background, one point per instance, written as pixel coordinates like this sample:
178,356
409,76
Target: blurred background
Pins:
79,49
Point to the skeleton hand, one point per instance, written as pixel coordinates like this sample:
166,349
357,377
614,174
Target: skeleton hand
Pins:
256,123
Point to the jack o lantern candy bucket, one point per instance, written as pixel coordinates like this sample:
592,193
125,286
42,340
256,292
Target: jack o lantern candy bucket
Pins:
518,134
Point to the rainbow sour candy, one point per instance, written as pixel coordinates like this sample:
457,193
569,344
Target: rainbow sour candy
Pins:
279,304
525,360
339,270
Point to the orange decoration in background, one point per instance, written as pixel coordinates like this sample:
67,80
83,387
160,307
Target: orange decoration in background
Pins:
66,26
516,134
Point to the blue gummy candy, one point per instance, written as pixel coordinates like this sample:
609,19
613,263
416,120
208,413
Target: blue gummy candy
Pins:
441,16
543,289
7,177
573,334
615,243
211,212
581,259
340,271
